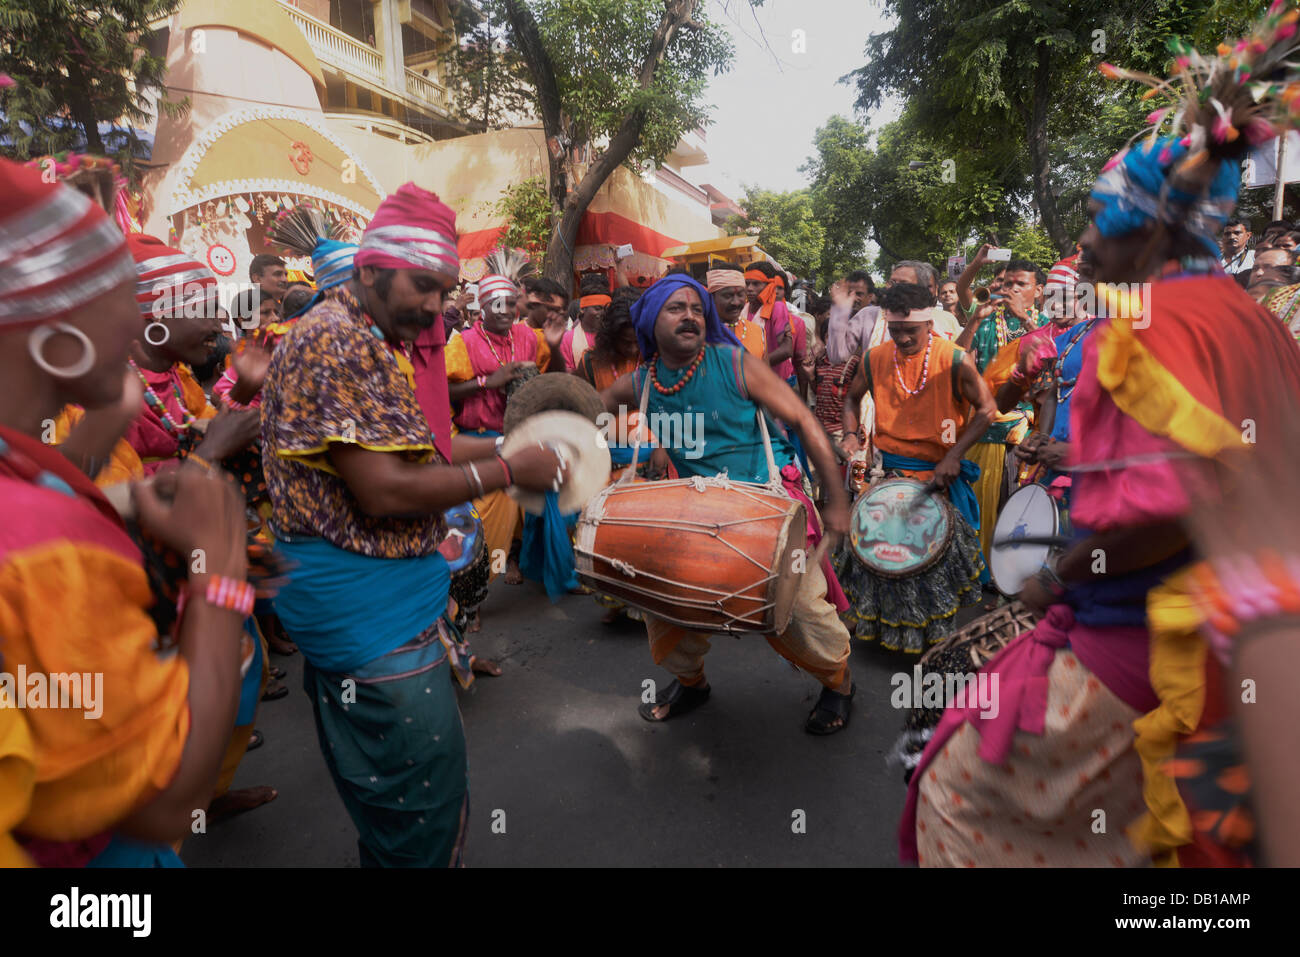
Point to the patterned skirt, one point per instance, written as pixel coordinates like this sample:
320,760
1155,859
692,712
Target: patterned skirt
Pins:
1063,798
910,614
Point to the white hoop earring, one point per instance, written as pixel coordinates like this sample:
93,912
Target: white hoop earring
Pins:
36,345
166,334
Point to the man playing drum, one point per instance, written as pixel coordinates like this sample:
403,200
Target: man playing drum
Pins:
696,369
925,391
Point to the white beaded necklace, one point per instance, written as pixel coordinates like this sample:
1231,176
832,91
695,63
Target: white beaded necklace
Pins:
925,368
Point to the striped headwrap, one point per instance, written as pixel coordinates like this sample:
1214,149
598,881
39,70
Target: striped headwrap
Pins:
492,287
331,262
717,279
167,279
58,250
412,229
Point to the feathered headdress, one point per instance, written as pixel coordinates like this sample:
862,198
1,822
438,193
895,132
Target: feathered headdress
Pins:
305,230
1219,106
511,263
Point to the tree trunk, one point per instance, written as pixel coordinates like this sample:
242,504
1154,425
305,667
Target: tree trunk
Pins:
1039,156
83,112
568,208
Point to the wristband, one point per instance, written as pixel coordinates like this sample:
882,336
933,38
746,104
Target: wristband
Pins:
222,592
1240,589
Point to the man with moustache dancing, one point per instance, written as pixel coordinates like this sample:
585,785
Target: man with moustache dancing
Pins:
693,362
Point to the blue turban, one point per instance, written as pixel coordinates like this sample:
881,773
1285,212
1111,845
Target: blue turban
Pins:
1129,191
331,262
645,312
331,265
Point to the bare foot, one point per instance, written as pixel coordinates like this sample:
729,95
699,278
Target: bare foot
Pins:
473,624
281,646
237,802
513,575
486,666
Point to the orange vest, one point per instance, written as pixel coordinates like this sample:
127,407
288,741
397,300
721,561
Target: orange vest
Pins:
917,425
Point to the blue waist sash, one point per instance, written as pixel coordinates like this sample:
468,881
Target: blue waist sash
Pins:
961,493
344,609
251,684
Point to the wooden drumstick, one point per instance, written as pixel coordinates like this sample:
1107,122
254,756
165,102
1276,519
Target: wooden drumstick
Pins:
929,489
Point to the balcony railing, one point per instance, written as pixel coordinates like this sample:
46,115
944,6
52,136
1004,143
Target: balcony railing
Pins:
369,123
426,90
343,52
337,49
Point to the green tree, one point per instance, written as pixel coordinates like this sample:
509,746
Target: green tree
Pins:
490,82
838,173
77,64
786,227
526,208
625,78
1021,77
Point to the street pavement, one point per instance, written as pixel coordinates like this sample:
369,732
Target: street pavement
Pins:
562,762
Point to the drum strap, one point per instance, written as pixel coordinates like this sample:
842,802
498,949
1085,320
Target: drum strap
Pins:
630,473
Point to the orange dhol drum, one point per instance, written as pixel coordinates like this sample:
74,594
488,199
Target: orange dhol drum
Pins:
707,554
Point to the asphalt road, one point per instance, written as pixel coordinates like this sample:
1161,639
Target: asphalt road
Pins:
556,744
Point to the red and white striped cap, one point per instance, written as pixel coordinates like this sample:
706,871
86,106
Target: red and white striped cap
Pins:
1065,273
58,250
168,279
492,285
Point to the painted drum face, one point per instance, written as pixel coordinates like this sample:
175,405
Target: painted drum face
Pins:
894,533
464,539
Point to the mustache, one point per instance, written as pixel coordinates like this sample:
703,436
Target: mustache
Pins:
415,317
690,324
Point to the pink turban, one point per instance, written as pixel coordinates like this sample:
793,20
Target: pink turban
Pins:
412,229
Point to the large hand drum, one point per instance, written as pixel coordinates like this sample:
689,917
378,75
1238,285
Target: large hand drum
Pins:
581,444
1029,513
706,554
898,529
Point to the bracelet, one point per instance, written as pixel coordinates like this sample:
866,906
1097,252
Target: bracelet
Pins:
200,461
469,480
478,482
222,592
500,441
510,478
482,381
1049,579
1239,589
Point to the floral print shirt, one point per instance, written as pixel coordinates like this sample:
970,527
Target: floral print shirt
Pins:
335,380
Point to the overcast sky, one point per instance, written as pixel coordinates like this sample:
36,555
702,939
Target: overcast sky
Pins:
801,88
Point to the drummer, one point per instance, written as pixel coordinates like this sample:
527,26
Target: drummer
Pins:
1061,344
931,407
693,363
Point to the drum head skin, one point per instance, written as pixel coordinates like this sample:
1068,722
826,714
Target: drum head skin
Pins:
1028,512
582,444
548,393
464,539
894,534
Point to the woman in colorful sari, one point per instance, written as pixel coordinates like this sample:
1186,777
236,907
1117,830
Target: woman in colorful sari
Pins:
115,791
1098,696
